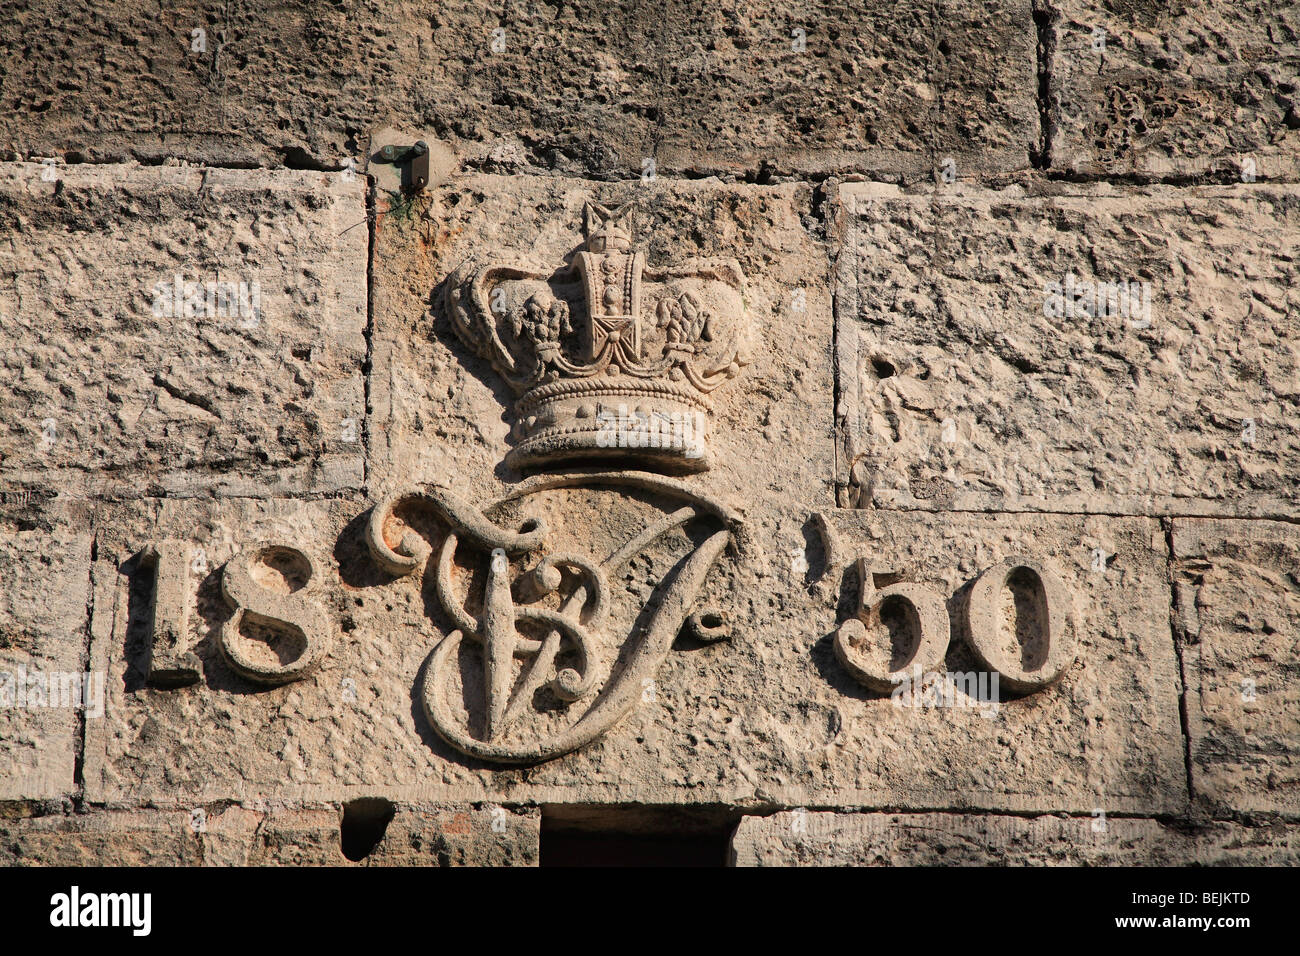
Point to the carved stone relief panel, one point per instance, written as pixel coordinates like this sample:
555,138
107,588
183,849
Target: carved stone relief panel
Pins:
306,647
615,637
529,323
610,359
1043,638
527,609
585,655
1025,647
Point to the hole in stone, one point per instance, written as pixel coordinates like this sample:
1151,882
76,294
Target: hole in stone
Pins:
365,821
882,367
883,579
139,623
268,642
281,570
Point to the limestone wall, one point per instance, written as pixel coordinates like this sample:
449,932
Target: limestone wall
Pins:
866,433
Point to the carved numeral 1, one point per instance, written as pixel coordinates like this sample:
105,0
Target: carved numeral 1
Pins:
293,615
171,662
929,619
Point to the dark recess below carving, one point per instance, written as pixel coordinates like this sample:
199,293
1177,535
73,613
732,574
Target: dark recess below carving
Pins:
365,821
636,836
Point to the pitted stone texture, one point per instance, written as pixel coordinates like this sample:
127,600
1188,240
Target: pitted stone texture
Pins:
716,725
110,83
106,397
441,413
44,620
913,84
237,835
419,835
959,391
1238,619
588,88
102,838
1177,90
1106,736
800,838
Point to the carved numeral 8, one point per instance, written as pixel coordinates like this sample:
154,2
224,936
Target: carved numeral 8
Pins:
293,615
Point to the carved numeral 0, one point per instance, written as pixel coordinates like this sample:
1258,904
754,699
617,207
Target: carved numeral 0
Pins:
1025,662
299,625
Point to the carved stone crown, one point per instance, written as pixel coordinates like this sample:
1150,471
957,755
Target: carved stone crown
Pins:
595,377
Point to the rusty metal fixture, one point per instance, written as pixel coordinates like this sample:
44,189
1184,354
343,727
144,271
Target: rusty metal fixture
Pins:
418,157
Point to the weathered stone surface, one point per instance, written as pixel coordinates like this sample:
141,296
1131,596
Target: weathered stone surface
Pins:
959,391
441,412
106,396
136,81
44,621
795,838
587,88
237,835
1174,91
121,838
913,83
417,836
715,724
1238,619
362,576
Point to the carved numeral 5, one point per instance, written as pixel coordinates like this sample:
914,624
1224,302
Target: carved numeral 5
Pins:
299,625
929,616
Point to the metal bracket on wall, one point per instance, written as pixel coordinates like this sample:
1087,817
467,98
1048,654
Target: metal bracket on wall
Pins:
416,177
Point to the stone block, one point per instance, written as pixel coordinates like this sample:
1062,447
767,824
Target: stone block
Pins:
172,330
46,689
800,838
588,89
1238,616
99,838
1175,91
416,835
978,372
